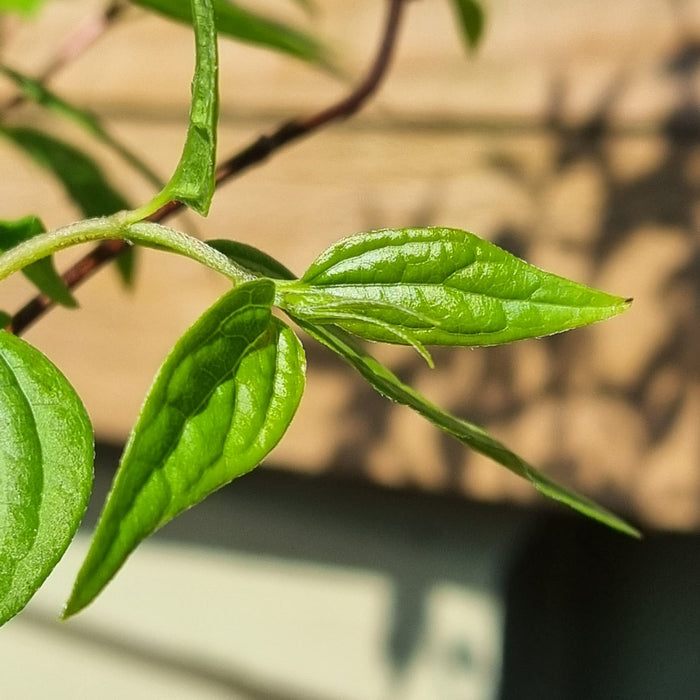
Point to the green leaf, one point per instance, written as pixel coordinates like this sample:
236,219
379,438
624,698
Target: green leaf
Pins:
82,179
41,273
126,266
221,401
46,458
35,91
444,287
387,384
193,182
5,319
25,7
252,259
470,15
234,21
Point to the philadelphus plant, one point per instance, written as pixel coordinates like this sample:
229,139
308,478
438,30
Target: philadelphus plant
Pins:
228,390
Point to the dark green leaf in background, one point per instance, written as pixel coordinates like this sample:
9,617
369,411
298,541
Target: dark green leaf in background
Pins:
471,18
46,458
81,177
35,91
221,401
252,259
443,287
238,23
83,180
41,273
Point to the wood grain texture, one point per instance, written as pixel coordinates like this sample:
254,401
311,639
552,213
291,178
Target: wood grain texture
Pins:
570,138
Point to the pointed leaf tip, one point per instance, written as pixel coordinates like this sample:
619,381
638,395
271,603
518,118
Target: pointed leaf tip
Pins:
442,286
221,401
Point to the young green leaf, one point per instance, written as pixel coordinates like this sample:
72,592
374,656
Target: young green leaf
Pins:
41,273
35,91
193,181
470,15
444,287
387,384
46,458
221,401
234,21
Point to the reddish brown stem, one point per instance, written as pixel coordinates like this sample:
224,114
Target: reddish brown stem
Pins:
255,153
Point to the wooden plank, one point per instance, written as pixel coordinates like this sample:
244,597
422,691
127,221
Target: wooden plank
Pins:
534,55
612,409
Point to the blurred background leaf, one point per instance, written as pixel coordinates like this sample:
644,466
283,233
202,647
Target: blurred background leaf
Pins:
471,17
24,6
241,24
32,89
82,179
42,273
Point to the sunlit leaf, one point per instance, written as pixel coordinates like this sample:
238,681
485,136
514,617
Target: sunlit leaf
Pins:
46,458
443,287
221,401
41,273
390,386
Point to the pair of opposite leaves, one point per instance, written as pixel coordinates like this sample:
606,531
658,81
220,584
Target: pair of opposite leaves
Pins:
230,387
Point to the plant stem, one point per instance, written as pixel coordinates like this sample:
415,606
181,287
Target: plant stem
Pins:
255,153
111,227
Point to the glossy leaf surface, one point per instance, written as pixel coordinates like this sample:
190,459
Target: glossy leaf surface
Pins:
46,458
470,15
444,287
236,22
390,386
387,384
41,273
221,401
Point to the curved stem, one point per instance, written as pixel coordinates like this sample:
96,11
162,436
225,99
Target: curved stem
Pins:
146,233
151,234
